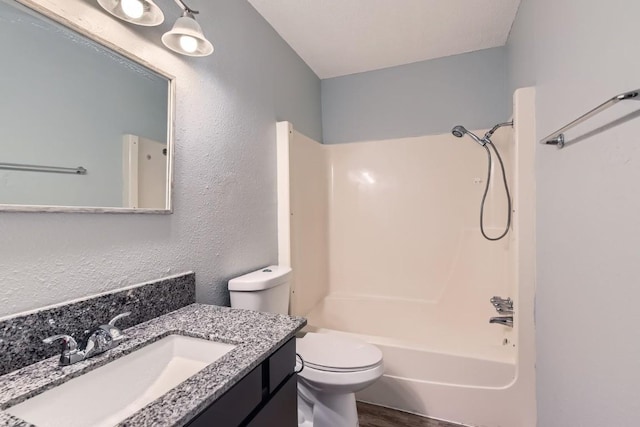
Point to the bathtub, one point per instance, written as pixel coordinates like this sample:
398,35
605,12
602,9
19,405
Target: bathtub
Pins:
436,372
384,244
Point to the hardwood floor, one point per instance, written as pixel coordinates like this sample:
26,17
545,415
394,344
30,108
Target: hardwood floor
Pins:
377,416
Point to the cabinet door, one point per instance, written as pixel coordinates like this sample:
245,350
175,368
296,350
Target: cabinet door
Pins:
235,405
281,364
282,409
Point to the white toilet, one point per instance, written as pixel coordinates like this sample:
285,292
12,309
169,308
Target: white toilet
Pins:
335,366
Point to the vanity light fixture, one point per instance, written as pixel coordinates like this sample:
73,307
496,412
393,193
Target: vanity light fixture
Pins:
186,36
139,12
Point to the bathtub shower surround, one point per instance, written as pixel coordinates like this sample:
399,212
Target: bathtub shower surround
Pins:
393,227
21,336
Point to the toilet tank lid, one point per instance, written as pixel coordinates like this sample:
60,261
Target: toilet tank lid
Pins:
265,278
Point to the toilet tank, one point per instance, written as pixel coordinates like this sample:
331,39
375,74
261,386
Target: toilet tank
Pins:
266,289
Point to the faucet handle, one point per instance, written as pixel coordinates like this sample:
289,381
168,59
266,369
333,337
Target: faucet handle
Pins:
115,332
502,305
113,321
504,309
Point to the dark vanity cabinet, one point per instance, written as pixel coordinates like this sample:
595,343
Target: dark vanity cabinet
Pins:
265,397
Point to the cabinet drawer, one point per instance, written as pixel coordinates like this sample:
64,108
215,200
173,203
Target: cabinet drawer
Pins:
234,406
282,409
282,364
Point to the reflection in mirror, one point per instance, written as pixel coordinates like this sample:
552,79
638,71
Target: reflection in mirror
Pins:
81,126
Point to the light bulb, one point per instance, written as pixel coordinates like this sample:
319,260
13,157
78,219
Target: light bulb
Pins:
188,44
132,8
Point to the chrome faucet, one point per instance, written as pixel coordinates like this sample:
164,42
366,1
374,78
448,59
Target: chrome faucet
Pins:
103,338
502,305
503,320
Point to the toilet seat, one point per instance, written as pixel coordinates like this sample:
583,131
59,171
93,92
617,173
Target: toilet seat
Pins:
336,370
336,353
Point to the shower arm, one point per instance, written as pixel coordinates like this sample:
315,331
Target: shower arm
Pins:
488,135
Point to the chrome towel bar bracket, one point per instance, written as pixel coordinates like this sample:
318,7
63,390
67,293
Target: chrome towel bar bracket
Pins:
557,137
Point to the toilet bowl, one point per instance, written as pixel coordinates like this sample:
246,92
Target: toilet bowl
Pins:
334,366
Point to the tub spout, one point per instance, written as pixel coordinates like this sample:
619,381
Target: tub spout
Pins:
503,320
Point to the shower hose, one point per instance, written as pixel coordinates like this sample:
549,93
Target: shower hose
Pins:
486,190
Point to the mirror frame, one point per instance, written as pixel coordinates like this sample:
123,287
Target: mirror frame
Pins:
171,88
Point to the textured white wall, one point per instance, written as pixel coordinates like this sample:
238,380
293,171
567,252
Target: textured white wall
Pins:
588,200
224,221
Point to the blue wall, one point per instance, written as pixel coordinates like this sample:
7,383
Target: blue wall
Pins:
423,98
521,49
224,221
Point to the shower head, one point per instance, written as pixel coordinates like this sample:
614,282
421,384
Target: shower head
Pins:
460,131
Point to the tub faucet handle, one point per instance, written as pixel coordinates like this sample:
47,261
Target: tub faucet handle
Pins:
501,309
499,300
502,305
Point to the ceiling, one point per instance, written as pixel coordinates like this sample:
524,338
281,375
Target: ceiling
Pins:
340,37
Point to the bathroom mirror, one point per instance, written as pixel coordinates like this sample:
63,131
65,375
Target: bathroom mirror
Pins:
83,128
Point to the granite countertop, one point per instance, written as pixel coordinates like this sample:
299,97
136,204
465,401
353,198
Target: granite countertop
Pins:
256,336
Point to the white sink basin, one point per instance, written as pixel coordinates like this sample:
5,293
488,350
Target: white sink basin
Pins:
109,394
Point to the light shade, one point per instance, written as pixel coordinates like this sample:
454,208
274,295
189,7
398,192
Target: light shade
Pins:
186,38
139,12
